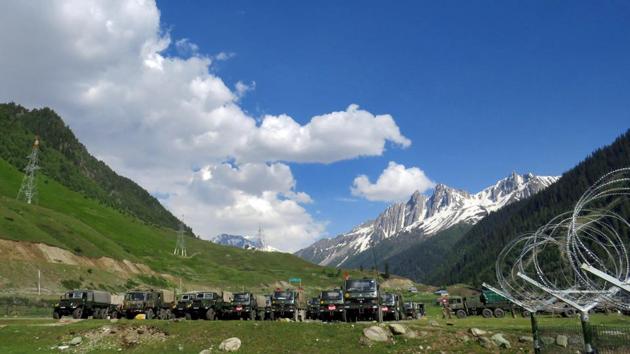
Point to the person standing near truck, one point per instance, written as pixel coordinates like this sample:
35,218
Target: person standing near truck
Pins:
446,309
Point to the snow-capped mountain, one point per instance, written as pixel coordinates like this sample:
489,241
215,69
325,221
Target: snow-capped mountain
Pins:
243,242
426,216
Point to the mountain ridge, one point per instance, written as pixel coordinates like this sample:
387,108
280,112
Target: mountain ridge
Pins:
425,215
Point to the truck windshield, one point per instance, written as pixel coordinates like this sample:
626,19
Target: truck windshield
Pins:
208,296
135,296
241,297
186,297
283,295
331,295
387,298
75,295
360,285
409,305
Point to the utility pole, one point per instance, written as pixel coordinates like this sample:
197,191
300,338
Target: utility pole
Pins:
28,189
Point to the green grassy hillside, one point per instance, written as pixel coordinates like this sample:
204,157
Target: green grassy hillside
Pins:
72,221
66,160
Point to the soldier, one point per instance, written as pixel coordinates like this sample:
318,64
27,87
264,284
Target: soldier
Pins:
446,309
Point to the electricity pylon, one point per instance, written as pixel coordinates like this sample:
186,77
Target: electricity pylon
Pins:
28,189
180,246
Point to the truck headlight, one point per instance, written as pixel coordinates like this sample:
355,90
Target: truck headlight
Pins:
346,295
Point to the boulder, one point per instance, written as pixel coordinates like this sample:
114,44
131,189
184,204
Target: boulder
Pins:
486,343
75,341
396,328
526,339
478,332
547,340
434,323
364,341
376,333
205,351
500,341
230,345
562,340
462,337
411,334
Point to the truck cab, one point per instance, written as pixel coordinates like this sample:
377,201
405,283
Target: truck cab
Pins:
392,307
179,310
362,298
288,304
243,306
331,305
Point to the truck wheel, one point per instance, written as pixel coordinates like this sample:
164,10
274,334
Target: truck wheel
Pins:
188,316
149,314
77,313
97,314
295,316
56,315
486,313
460,314
114,315
272,316
252,315
499,313
344,317
210,315
568,313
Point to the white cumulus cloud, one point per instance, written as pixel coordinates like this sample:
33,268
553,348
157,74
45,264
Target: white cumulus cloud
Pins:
395,183
157,117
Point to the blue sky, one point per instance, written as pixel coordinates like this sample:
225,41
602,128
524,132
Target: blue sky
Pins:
164,93
481,88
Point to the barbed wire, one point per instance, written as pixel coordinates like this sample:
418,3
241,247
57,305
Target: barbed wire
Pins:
539,267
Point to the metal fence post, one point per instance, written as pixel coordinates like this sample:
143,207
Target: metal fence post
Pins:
586,332
535,334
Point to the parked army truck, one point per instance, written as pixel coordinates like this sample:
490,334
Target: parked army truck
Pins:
289,303
392,307
83,303
362,299
150,302
207,305
180,308
414,310
264,307
487,304
331,306
243,306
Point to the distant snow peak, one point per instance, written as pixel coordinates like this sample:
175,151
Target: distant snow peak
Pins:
426,215
244,242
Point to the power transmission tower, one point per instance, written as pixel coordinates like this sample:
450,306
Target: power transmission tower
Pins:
261,237
180,246
28,189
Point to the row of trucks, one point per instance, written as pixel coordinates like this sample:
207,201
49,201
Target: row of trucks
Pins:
359,299
161,304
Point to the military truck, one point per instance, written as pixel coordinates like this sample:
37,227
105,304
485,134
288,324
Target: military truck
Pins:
487,304
312,311
82,303
180,308
392,307
243,306
362,299
264,307
331,306
413,310
149,302
289,303
207,305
